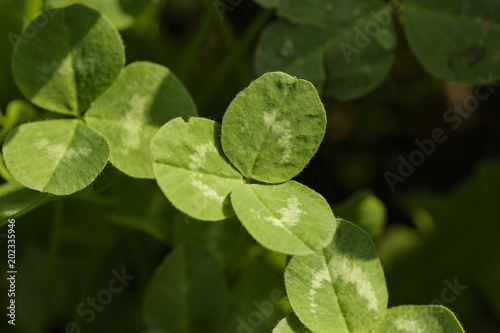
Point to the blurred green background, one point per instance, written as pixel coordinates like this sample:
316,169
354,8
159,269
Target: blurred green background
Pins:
439,227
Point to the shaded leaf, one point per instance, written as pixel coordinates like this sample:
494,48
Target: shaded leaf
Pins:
57,156
344,47
267,3
288,218
191,168
273,128
341,288
419,319
65,63
121,12
143,98
187,293
455,42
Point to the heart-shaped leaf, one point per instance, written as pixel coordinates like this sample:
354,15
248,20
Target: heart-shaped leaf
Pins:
455,42
121,12
340,289
344,47
143,98
63,64
191,168
291,324
419,319
273,128
187,293
288,218
56,156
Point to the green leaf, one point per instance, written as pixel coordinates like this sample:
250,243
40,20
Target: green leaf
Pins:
455,42
365,210
17,200
69,61
187,293
419,319
291,324
289,218
341,288
57,156
344,48
191,168
143,98
273,128
121,12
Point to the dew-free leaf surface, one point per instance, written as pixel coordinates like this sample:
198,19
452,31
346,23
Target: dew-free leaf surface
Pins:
419,319
288,218
341,288
56,156
61,66
143,98
291,324
187,293
273,128
121,12
344,47
455,41
191,168
16,200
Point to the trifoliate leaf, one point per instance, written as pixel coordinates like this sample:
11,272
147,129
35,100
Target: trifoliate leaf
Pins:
143,98
64,64
57,156
288,218
273,128
187,293
191,168
419,319
340,289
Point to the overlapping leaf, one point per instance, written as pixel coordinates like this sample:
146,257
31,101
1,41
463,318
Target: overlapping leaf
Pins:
288,218
341,288
63,64
192,170
57,156
16,200
143,98
291,324
273,128
344,47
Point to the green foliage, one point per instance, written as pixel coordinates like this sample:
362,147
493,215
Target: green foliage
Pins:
65,66
290,324
143,98
56,156
316,41
270,132
465,49
178,299
121,12
18,200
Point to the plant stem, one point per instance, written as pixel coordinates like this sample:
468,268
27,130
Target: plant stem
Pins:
4,173
191,53
235,55
51,277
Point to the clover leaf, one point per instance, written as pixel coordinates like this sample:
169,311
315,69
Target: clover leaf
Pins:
269,133
70,61
344,47
291,324
143,98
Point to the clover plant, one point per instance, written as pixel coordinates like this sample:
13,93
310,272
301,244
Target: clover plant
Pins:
143,121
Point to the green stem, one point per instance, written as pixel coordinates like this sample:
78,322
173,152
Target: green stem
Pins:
192,51
32,8
51,277
232,58
4,173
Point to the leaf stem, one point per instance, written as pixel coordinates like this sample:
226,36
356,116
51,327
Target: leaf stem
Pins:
4,173
233,57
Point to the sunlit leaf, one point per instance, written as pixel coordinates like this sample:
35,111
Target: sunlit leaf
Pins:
291,324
